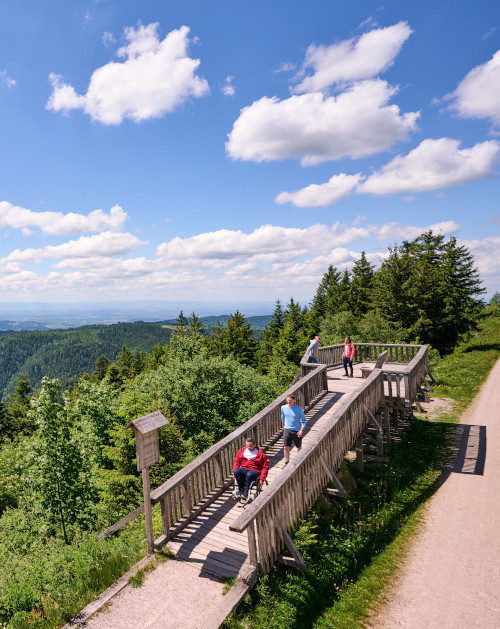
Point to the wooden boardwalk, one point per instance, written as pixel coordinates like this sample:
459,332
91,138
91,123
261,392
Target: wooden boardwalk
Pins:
207,541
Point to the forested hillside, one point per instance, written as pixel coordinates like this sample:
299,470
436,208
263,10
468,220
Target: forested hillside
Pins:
68,354
66,463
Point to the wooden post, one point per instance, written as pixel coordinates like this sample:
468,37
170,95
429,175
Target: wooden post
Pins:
146,490
360,463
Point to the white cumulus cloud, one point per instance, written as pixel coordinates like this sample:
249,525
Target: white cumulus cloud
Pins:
315,128
320,195
103,244
433,164
58,223
265,244
354,59
478,94
155,77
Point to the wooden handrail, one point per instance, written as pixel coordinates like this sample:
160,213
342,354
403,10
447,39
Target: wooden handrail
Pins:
239,434
373,383
301,482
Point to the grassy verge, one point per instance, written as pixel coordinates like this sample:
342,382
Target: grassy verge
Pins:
354,547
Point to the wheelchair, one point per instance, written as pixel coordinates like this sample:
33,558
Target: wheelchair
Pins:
253,491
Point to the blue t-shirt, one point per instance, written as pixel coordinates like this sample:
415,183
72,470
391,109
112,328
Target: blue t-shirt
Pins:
293,416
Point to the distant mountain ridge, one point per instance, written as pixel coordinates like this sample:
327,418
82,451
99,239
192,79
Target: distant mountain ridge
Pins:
69,353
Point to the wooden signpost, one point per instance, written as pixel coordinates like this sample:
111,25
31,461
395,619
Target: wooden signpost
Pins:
148,453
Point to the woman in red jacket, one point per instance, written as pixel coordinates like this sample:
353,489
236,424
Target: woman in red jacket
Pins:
250,464
348,355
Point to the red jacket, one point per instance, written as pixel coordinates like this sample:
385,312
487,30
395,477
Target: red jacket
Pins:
258,463
349,351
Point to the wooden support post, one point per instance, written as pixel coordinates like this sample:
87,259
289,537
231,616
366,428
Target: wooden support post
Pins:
360,464
428,385
252,545
387,423
424,393
146,489
380,440
340,492
295,560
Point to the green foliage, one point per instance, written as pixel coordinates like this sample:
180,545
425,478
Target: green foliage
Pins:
208,396
361,286
235,339
290,346
7,427
352,548
43,582
19,407
269,337
67,354
494,305
430,288
59,486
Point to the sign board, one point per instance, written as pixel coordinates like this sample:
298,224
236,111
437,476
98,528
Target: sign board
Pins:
146,438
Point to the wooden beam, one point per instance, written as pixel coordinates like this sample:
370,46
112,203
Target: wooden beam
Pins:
340,492
295,560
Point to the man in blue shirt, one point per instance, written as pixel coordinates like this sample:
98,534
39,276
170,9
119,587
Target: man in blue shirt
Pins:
294,424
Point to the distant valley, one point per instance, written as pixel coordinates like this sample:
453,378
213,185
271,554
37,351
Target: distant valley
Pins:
69,353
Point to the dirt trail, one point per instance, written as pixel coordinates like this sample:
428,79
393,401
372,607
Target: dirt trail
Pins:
176,595
451,579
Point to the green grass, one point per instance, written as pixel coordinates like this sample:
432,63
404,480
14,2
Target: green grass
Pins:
353,549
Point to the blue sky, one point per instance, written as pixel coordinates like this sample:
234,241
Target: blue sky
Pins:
226,150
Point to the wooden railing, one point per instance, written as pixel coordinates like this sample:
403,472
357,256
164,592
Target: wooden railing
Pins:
189,492
271,516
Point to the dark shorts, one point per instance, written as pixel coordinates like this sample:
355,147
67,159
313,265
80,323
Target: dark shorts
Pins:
289,437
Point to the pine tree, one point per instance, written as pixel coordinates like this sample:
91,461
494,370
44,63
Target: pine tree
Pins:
269,338
195,325
236,339
361,286
181,323
320,304
100,368
6,423
125,363
19,406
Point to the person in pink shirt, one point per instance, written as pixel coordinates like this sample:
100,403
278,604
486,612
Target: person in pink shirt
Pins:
348,355
250,464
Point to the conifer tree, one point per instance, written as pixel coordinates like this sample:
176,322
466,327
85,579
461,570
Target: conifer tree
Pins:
269,338
19,406
361,286
181,323
236,339
100,368
195,325
321,305
6,423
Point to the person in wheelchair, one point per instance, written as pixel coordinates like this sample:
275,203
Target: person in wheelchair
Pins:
250,467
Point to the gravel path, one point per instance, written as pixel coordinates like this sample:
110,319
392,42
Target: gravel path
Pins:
451,579
176,595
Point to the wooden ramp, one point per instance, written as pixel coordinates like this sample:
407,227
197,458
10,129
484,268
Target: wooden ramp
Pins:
207,541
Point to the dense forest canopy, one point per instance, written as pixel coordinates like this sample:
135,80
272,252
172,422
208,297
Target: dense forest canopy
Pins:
67,466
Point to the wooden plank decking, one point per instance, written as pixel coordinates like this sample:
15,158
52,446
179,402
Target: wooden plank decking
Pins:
207,541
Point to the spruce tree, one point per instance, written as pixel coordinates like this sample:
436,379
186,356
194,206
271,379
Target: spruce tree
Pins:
322,303
361,286
19,406
269,338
